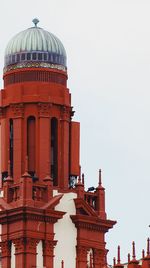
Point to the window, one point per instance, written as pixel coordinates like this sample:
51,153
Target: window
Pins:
18,57
31,144
28,56
54,137
34,56
23,57
13,58
11,145
45,56
39,56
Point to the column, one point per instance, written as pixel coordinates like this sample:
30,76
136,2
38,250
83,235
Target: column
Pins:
99,258
17,115
25,252
64,148
19,252
4,144
48,253
31,250
6,253
82,257
44,140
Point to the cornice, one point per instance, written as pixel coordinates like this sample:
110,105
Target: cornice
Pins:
32,214
92,223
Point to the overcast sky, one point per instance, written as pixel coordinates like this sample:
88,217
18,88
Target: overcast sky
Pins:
108,49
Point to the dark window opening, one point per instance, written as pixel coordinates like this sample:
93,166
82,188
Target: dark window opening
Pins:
11,144
18,57
45,56
31,144
34,56
13,58
54,160
49,57
39,56
4,175
28,56
23,57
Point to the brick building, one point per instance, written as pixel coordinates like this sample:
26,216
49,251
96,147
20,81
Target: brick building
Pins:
47,217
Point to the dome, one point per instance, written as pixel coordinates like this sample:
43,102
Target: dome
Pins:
35,47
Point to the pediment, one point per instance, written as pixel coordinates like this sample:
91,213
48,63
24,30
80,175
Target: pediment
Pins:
83,208
4,205
53,202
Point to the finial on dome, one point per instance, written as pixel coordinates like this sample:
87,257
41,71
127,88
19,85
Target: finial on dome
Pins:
35,21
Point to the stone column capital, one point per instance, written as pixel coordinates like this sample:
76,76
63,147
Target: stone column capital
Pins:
48,247
5,248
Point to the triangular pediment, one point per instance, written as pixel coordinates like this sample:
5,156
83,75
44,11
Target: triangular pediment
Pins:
4,205
53,202
83,208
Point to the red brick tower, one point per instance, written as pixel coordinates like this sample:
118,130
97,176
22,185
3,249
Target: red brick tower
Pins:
46,215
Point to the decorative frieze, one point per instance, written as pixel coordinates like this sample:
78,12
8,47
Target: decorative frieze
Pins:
34,65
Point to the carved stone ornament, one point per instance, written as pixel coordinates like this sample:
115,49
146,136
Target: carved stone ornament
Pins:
5,248
25,244
65,113
44,109
31,244
82,253
17,109
19,244
48,247
98,256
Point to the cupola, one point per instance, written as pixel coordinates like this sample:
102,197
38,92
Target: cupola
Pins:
35,47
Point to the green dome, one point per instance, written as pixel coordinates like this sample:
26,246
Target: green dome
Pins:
35,45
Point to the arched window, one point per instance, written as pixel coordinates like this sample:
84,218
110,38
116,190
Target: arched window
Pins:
11,145
31,144
54,141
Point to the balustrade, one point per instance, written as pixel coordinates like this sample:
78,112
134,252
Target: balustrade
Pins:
39,192
91,199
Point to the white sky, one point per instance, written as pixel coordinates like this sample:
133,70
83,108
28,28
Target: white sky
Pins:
108,48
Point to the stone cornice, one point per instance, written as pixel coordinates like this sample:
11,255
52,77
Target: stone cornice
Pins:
33,214
92,223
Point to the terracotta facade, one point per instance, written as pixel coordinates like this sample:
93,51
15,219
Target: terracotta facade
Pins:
40,154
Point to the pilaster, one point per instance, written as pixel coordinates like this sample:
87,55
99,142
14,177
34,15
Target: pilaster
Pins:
65,119
44,139
17,111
